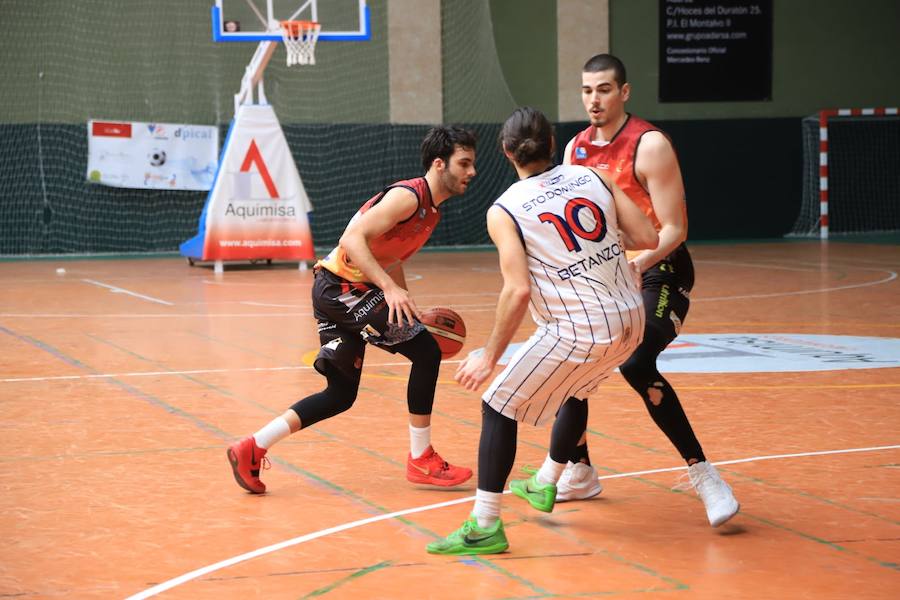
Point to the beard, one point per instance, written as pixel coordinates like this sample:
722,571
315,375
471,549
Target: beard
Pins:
599,120
452,184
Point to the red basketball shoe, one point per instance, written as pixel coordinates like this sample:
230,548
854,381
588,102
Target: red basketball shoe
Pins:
431,469
246,460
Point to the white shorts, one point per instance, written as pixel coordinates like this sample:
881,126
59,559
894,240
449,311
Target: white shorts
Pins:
547,370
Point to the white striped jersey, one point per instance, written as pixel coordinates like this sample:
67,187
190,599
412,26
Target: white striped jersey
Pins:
582,290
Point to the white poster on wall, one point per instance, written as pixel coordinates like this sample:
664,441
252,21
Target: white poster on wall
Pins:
169,156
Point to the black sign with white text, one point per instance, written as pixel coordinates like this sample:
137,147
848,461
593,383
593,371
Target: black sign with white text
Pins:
715,50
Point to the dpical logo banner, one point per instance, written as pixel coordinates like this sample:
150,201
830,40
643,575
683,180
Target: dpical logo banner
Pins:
169,156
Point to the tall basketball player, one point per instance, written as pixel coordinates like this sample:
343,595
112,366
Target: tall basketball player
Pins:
560,233
641,160
360,295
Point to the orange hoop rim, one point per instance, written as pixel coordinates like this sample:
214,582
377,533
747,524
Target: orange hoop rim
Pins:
298,28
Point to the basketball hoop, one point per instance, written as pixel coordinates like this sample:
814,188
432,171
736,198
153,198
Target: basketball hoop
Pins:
300,39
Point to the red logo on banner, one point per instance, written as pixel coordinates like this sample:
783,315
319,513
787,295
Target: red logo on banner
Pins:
101,128
254,156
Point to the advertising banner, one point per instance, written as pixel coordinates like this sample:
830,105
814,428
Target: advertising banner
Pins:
715,50
257,208
155,156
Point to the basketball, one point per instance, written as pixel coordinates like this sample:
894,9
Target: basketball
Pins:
447,328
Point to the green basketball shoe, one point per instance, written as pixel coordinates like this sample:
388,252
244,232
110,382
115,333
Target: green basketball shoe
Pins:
539,495
472,539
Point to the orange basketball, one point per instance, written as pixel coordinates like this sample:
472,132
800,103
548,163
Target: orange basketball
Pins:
447,328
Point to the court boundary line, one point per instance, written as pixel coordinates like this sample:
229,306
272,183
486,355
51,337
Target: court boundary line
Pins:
118,290
228,562
190,372
823,386
892,275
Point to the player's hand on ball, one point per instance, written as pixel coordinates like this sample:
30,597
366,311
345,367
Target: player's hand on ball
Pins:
473,371
401,308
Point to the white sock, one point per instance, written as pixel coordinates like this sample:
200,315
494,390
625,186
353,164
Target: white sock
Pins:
419,440
487,508
275,431
550,471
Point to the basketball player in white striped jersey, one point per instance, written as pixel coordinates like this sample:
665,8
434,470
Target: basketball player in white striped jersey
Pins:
561,233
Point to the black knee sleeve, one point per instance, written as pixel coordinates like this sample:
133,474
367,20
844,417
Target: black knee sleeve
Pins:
334,399
425,355
496,449
571,422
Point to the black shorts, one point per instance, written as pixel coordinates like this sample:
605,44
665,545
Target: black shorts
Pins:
666,291
349,315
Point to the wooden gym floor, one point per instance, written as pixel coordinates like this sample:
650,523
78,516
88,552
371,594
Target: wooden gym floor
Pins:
123,381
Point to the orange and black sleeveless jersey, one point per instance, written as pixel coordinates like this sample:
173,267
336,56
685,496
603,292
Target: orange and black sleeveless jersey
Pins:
617,158
398,243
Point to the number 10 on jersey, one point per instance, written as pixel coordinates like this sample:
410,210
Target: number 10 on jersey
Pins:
569,226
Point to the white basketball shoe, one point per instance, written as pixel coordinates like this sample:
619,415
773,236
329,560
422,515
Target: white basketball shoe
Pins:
717,496
578,482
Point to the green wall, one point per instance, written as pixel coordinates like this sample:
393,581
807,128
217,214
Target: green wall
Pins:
156,61
834,53
525,35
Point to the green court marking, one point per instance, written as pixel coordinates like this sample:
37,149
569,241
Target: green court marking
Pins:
744,513
674,583
811,496
651,590
625,442
228,344
369,451
280,461
229,394
838,547
218,432
364,571
51,457
189,377
325,482
106,453
495,567
758,481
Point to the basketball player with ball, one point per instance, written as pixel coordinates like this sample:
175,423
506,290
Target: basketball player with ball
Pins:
360,296
561,233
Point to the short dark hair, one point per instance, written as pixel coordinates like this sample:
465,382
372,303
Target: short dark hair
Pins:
441,141
528,135
605,62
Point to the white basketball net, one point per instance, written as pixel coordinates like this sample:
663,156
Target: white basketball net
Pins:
300,39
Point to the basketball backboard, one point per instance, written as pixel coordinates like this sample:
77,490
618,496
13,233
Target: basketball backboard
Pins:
258,20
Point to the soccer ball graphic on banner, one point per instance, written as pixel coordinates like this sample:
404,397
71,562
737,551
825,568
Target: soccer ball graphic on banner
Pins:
158,158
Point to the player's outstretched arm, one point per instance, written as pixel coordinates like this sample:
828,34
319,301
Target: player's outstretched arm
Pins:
397,205
512,304
657,166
